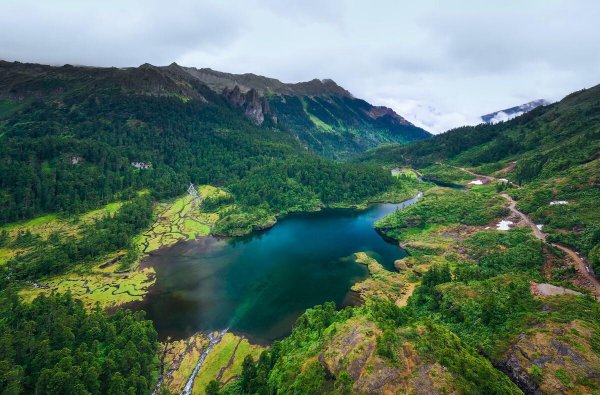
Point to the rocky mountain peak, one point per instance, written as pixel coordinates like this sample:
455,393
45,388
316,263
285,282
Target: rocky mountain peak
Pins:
377,112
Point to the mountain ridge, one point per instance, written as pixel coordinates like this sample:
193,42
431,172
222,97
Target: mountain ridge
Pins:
323,116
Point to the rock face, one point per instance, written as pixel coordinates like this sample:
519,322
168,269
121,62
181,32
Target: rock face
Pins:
254,106
552,358
353,350
381,111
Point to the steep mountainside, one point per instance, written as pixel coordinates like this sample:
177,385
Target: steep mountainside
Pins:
323,116
513,112
565,132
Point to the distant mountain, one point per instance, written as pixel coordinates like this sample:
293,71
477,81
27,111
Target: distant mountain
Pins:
321,115
554,135
513,112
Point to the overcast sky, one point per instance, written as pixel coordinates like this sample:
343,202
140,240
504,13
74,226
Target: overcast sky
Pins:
440,64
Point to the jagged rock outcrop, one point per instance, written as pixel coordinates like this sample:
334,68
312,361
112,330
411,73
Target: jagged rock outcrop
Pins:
219,81
255,107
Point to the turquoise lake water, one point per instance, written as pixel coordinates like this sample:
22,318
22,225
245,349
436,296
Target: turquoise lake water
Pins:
258,285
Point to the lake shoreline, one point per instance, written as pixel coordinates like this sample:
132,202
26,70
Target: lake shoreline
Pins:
186,285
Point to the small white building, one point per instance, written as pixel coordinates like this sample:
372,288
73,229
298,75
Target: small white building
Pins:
75,160
141,165
396,172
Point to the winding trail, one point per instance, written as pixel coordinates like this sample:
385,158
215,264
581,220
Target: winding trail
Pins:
580,264
513,209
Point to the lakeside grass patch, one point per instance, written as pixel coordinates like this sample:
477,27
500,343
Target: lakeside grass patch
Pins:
96,287
180,219
444,206
381,283
109,281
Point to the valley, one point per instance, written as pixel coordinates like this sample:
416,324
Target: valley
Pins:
326,245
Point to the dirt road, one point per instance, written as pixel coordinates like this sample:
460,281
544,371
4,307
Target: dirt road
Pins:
513,209
580,264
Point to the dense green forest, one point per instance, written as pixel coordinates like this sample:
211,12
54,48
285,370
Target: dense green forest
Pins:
54,346
184,142
72,150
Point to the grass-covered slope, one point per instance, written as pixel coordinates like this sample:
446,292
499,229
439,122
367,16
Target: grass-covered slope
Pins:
341,126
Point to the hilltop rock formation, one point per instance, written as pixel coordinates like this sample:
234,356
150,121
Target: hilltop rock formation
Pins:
254,106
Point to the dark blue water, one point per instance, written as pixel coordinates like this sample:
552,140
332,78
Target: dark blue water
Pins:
258,285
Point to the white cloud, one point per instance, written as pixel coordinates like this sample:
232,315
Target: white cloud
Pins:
501,116
429,118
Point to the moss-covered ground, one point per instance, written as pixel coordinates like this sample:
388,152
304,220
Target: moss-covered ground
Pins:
180,219
178,359
96,286
444,173
384,284
223,363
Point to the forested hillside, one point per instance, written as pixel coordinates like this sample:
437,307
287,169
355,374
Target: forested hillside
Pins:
72,138
551,138
93,167
552,151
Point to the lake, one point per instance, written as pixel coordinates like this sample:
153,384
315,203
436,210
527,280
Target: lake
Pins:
258,285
